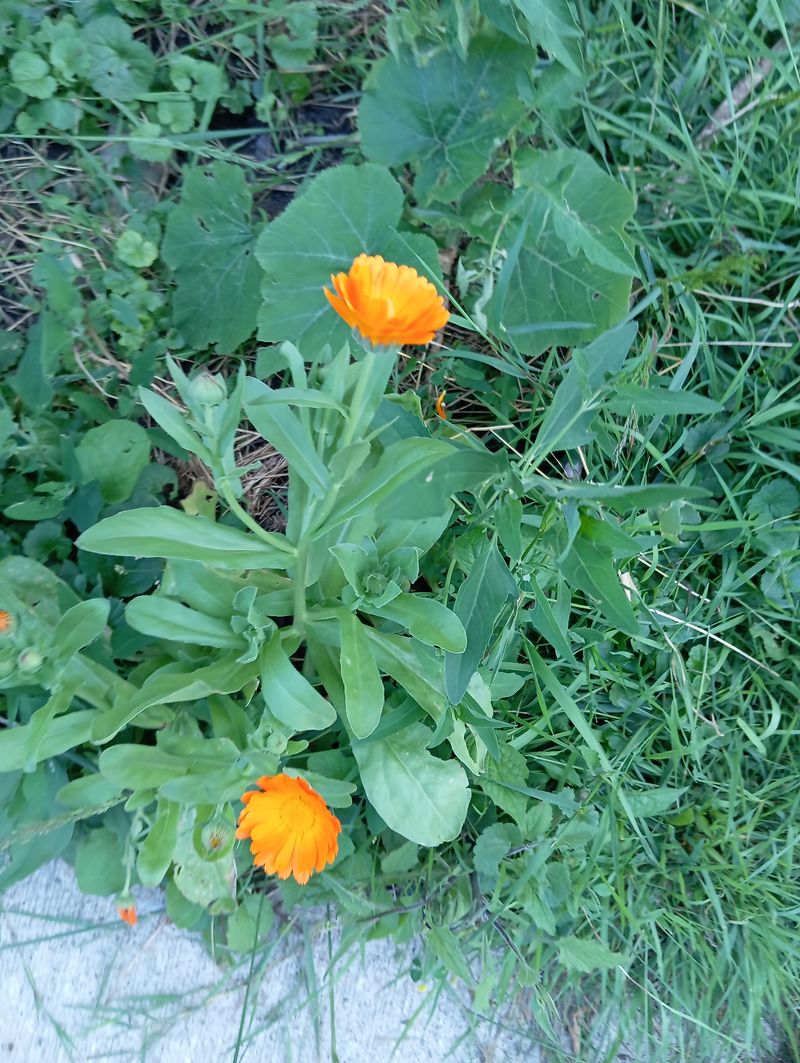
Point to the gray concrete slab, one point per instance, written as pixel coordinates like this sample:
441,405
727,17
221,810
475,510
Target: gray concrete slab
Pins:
77,984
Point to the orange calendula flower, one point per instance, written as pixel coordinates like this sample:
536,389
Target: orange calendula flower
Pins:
128,914
291,829
387,303
6,622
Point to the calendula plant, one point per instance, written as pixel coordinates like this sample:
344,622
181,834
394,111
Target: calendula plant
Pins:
345,655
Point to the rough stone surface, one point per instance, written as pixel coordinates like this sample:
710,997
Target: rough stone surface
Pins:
77,984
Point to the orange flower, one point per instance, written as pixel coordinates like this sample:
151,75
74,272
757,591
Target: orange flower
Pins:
291,829
6,622
387,303
128,914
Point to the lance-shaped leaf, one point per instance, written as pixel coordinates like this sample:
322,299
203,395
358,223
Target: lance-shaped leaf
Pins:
363,686
289,695
159,531
478,604
589,566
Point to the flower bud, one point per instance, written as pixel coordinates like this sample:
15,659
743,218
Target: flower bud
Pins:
30,660
208,389
217,836
126,908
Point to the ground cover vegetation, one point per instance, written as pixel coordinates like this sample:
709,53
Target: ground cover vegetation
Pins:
511,615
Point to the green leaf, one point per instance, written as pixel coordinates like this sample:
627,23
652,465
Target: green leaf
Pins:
250,924
568,419
419,796
87,791
285,430
134,250
341,213
295,49
170,418
543,619
31,74
80,626
665,401
18,743
480,599
114,455
511,768
585,955
171,684
558,286
289,695
141,767
156,851
418,672
46,341
425,619
404,858
121,68
775,499
622,499
203,881
99,866
491,847
210,247
551,24
403,461
163,532
590,567
181,911
655,801
446,115
363,687
164,619
444,944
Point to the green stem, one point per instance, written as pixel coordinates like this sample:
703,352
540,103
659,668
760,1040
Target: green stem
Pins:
300,565
236,507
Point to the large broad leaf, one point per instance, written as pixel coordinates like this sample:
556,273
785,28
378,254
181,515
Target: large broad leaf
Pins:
567,274
163,532
447,116
423,798
478,603
343,212
162,618
210,245
121,68
114,455
549,23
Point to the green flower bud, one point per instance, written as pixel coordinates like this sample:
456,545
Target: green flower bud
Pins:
30,660
375,584
208,389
